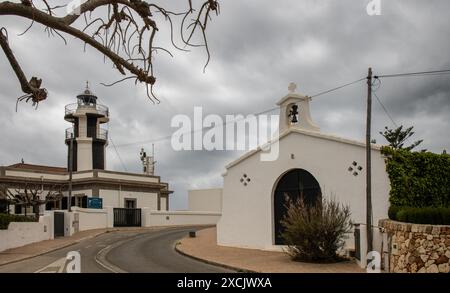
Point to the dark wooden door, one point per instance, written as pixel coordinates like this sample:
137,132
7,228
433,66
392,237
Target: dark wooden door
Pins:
58,221
292,185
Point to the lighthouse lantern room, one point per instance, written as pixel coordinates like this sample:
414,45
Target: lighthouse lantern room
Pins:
89,137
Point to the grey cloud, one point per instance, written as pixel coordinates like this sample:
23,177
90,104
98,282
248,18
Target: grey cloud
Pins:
257,48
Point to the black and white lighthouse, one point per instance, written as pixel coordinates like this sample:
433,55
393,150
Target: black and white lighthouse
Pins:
89,138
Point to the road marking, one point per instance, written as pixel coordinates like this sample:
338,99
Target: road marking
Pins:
100,258
55,267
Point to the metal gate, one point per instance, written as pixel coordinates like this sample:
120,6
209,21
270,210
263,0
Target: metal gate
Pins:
127,217
58,223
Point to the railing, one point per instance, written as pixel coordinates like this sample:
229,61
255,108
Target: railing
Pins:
70,133
101,133
101,109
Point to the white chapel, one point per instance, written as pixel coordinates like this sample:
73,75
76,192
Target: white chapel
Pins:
311,163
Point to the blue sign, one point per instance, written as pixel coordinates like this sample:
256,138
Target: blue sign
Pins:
95,203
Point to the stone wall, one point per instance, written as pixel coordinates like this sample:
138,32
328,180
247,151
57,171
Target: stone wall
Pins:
416,248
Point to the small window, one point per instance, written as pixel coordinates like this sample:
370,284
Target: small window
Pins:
130,203
80,200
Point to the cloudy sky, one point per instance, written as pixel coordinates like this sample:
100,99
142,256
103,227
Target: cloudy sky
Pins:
257,48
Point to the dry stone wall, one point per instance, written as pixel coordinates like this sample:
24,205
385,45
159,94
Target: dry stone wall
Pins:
416,248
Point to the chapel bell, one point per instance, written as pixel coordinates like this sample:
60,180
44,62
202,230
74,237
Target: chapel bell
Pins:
293,113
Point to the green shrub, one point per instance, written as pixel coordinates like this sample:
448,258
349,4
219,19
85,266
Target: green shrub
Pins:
418,179
392,212
5,219
445,213
314,233
426,215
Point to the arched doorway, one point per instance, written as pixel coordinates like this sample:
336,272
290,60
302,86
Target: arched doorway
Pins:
294,183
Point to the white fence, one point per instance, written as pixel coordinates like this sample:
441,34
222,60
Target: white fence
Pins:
178,218
81,219
23,233
88,219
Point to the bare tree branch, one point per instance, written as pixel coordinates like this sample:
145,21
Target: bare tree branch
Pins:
126,36
30,195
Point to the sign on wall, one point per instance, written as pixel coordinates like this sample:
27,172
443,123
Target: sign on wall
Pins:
95,203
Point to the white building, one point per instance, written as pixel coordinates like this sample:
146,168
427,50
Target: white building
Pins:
100,199
310,163
90,179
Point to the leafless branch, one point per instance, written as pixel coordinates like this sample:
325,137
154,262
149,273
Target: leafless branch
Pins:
125,35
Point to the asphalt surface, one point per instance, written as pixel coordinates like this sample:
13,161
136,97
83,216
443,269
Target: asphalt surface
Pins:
134,251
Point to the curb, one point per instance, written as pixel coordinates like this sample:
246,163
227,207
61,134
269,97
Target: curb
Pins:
56,248
107,230
218,264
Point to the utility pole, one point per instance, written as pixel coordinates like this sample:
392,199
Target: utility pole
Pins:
369,163
69,204
153,158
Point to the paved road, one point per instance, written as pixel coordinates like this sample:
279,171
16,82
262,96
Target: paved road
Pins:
122,251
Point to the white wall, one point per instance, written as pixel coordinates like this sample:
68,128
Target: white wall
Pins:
23,233
91,218
205,200
35,175
163,203
379,241
247,211
69,228
116,198
84,154
84,174
129,176
87,192
172,218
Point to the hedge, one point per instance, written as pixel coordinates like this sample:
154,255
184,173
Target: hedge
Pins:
418,179
5,219
426,215
392,212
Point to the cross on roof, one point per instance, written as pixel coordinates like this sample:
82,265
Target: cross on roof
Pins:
292,87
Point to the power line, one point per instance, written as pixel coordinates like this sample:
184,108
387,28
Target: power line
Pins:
378,85
420,73
192,131
337,88
233,121
413,74
376,77
118,155
385,110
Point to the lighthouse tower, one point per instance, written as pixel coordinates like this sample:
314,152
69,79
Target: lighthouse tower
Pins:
89,138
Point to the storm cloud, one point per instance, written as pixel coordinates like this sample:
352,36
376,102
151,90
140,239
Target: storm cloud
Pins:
257,48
